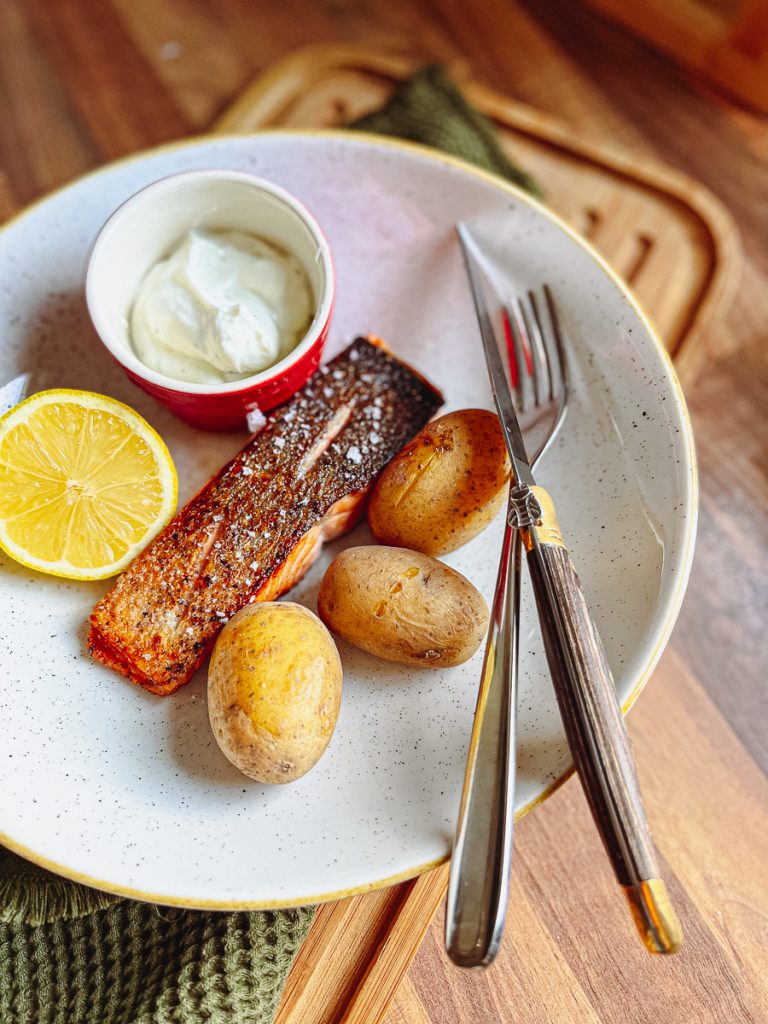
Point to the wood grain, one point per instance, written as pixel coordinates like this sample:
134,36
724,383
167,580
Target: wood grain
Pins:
357,952
586,696
83,82
725,43
698,799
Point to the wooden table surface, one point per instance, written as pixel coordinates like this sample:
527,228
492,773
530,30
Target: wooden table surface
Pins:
83,82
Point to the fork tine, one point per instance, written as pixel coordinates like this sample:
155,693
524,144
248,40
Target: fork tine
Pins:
514,373
539,356
557,333
521,348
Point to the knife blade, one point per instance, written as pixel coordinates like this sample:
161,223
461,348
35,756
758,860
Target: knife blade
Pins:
499,387
13,392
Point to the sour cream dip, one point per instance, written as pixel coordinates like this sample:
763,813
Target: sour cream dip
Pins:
222,306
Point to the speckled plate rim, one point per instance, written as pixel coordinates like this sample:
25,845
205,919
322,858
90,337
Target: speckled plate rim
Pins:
690,500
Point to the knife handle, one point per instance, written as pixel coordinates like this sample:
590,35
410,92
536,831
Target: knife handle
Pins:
594,726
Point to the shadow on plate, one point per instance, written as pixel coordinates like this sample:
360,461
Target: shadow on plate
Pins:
193,746
62,350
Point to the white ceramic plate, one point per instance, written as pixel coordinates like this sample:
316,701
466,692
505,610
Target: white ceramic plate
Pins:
129,792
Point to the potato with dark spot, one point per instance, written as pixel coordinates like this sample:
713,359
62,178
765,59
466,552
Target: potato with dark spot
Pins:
444,487
274,690
402,606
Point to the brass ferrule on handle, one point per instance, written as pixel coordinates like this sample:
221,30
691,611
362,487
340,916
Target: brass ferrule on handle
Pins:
597,736
654,916
533,508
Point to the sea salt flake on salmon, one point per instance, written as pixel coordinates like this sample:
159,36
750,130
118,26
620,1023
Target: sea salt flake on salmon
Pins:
301,481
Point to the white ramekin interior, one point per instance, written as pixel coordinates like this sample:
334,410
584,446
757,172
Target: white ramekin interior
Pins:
147,227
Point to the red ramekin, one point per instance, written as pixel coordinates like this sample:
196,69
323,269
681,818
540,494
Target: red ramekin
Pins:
149,225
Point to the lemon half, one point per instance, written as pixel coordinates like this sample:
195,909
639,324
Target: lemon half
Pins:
85,484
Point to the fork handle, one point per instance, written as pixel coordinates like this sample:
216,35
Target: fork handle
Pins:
594,726
482,851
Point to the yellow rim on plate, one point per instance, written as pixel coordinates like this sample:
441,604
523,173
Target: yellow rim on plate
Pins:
690,523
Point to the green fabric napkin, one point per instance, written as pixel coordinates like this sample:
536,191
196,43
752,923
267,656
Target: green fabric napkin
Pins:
72,955
430,109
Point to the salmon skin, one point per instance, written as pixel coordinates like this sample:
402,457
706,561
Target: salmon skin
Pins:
252,532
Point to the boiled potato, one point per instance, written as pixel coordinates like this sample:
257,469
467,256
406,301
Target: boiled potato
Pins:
274,690
402,606
444,487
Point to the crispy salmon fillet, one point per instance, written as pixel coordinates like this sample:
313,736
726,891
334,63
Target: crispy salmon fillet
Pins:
253,531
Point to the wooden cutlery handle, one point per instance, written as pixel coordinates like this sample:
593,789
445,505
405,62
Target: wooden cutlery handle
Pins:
595,728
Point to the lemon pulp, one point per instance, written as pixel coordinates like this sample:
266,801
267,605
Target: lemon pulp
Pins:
85,483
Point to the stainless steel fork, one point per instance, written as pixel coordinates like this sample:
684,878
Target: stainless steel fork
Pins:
482,851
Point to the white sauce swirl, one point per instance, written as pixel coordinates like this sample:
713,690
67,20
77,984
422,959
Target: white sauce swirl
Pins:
223,306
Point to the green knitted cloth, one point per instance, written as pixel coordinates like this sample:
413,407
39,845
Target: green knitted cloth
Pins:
429,108
72,955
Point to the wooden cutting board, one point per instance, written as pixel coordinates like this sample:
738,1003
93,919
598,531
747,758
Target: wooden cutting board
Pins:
670,239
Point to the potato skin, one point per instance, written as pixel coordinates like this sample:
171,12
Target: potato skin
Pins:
402,606
274,690
445,486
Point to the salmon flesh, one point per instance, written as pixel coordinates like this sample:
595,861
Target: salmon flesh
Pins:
253,531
